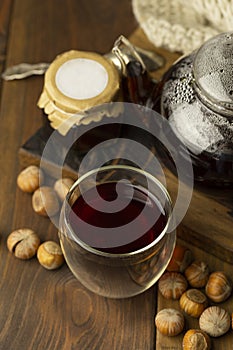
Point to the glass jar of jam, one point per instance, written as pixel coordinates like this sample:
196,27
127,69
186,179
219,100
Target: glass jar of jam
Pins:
196,97
79,88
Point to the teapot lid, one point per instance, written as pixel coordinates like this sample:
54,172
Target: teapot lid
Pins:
213,73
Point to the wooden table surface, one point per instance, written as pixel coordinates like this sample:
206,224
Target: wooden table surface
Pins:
42,309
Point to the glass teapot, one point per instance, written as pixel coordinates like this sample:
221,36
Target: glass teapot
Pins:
196,97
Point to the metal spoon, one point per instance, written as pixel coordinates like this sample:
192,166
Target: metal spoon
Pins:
24,70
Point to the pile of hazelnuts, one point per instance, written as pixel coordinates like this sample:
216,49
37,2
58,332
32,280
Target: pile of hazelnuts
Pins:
25,243
191,282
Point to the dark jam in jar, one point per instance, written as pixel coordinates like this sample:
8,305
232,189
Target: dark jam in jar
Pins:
143,207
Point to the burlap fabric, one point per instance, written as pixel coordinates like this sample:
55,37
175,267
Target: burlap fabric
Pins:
182,25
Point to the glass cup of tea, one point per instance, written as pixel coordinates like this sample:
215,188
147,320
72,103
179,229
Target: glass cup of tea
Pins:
116,230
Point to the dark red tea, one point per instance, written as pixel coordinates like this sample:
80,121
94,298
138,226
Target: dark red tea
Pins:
108,231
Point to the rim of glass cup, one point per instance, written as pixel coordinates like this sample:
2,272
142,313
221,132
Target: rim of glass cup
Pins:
95,251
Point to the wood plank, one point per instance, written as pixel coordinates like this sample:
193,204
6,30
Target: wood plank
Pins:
5,12
41,309
7,186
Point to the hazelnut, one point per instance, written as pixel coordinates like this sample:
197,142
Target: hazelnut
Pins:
50,255
23,243
181,258
197,274
215,321
218,287
45,201
172,285
196,339
169,322
30,178
62,187
193,302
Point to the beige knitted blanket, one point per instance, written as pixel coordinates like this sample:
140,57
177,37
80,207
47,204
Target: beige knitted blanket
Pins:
183,25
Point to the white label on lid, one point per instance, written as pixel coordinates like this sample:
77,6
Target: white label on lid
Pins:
81,78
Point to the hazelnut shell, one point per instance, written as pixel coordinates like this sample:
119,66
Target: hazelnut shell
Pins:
193,302
23,243
215,321
172,285
49,255
196,339
62,187
30,178
45,201
218,287
197,274
169,322
181,259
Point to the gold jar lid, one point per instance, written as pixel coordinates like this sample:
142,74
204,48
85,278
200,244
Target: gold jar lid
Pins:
76,82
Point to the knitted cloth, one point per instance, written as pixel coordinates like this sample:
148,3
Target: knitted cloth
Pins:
183,25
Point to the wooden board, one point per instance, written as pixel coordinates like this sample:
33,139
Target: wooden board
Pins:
175,343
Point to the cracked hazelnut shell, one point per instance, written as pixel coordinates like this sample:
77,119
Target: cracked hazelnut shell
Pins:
23,243
196,339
